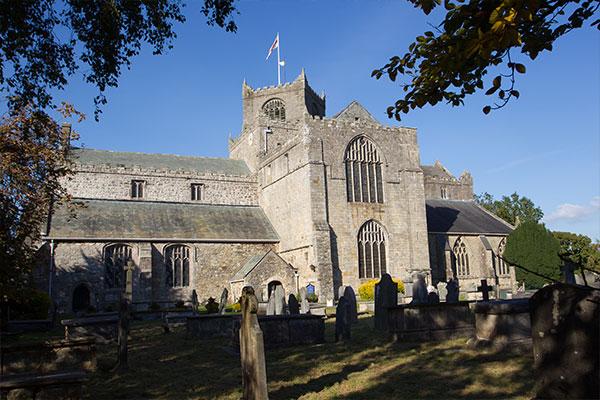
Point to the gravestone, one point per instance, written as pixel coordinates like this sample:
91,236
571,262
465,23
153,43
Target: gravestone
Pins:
442,290
122,364
293,305
304,304
252,349
485,289
223,302
432,296
271,305
385,296
341,291
419,290
279,300
342,320
195,302
453,291
129,281
350,297
565,331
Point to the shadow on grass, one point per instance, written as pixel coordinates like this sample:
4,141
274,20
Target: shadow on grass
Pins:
369,366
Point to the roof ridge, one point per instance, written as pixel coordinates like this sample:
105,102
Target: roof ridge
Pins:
74,199
155,154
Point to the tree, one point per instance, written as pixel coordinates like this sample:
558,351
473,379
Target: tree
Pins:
533,250
475,37
34,158
579,250
43,43
514,209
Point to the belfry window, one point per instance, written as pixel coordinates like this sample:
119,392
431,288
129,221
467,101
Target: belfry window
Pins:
197,191
461,258
275,109
116,257
503,268
364,182
177,266
371,251
137,189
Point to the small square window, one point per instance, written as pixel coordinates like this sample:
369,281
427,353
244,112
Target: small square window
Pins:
137,189
197,191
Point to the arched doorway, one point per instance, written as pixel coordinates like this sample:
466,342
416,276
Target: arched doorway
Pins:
271,287
81,298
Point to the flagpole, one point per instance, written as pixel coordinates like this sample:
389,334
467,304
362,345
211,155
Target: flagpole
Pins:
278,60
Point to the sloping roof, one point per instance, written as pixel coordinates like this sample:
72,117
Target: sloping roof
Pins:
248,266
224,166
145,220
354,111
455,216
436,170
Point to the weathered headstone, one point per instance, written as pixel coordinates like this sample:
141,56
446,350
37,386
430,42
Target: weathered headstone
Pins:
342,320
432,296
385,296
565,331
485,289
252,349
350,297
129,281
223,302
279,300
304,304
453,291
341,291
122,364
419,289
165,323
271,305
442,290
293,305
195,302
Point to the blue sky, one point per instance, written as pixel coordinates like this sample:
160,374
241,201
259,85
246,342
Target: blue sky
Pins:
545,146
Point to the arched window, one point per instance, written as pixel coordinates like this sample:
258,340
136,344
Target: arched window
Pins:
363,172
116,257
502,266
177,266
461,258
371,251
275,109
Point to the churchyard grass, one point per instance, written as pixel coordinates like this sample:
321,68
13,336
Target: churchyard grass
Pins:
169,366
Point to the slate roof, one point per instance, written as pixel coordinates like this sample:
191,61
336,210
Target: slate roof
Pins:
224,166
355,110
145,220
248,266
455,216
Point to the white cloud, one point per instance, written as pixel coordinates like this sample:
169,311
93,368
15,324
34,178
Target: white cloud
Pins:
574,212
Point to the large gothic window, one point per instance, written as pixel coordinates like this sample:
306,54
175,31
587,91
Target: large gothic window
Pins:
363,172
115,260
275,109
461,258
502,265
177,265
371,251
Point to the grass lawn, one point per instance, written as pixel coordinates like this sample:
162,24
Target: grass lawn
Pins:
169,366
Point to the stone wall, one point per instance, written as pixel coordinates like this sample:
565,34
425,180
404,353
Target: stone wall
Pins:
454,189
107,182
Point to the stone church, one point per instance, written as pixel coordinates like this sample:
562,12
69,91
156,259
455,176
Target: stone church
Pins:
303,200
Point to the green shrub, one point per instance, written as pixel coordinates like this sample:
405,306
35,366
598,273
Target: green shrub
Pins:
366,291
312,298
235,307
30,304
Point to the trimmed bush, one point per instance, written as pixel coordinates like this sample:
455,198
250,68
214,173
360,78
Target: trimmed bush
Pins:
312,298
212,307
235,307
366,291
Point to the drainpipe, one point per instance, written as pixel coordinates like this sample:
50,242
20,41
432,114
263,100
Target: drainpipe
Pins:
51,268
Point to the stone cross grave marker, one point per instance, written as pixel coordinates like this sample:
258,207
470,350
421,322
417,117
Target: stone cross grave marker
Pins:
386,295
223,301
129,281
485,289
342,320
304,305
350,297
293,305
453,291
122,364
252,349
279,300
442,290
419,289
